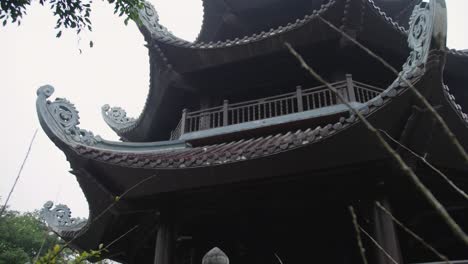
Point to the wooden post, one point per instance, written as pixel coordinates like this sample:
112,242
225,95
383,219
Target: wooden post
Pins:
350,88
162,253
385,234
225,112
300,107
184,120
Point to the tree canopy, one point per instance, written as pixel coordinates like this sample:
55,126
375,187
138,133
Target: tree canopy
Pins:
71,14
24,238
21,237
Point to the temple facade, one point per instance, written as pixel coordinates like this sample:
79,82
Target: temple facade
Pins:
242,156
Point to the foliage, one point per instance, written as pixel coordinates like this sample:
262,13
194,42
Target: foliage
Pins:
21,237
71,14
55,256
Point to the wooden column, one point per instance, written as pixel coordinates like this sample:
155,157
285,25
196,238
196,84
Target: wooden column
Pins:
300,107
385,234
225,112
350,88
164,243
184,121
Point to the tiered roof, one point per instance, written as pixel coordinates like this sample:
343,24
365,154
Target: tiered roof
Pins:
107,169
175,62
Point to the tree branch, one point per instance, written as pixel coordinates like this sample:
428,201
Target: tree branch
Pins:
441,174
362,250
19,173
403,166
418,238
420,97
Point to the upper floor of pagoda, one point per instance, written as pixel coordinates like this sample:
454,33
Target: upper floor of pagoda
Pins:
230,19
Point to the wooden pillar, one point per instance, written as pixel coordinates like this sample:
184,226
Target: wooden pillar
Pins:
385,234
164,243
350,88
184,121
225,112
300,107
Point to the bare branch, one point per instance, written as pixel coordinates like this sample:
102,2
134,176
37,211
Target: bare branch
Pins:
116,200
378,245
362,250
441,174
120,237
403,166
278,258
420,97
19,173
418,238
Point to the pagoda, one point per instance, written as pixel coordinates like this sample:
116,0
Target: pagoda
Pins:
241,156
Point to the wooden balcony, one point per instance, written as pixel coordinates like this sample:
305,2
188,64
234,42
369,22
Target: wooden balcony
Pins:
270,107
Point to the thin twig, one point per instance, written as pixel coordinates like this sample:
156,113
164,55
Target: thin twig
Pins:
403,166
278,258
421,97
362,250
19,173
120,237
40,249
418,238
441,174
116,200
378,245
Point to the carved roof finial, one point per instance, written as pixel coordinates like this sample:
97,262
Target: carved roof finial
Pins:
61,117
116,118
59,218
215,256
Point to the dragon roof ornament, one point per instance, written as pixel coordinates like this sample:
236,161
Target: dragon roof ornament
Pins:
149,24
116,118
427,31
59,219
64,117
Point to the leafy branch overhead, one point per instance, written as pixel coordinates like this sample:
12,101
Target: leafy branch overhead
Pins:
71,14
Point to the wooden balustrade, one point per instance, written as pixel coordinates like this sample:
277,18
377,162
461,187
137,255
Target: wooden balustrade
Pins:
278,105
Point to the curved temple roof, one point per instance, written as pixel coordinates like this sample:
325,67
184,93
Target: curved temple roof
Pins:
177,163
172,57
232,19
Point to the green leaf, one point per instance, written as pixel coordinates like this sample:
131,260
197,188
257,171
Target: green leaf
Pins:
59,34
91,44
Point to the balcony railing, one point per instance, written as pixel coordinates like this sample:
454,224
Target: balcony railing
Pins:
299,101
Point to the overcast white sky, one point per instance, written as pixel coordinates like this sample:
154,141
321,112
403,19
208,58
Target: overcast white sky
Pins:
114,71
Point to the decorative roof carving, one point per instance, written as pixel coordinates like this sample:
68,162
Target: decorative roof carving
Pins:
116,118
150,22
59,218
458,108
462,53
386,17
65,116
419,37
